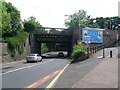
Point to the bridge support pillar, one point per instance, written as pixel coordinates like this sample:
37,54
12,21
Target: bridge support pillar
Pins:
36,47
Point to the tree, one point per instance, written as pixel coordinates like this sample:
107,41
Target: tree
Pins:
16,22
93,24
77,19
44,48
31,24
11,21
6,21
108,22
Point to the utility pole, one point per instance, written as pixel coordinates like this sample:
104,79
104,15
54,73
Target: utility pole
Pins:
80,31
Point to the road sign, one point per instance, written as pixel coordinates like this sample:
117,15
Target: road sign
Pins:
87,39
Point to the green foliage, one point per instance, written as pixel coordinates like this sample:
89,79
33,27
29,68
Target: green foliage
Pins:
31,24
16,43
77,51
15,18
44,48
93,24
6,20
11,21
2,40
12,31
111,23
81,19
77,19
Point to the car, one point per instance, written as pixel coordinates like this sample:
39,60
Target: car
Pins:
33,57
61,54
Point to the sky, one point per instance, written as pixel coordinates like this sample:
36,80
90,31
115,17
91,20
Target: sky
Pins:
51,13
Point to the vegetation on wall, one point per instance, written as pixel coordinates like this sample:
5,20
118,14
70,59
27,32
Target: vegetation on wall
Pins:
77,51
12,30
17,43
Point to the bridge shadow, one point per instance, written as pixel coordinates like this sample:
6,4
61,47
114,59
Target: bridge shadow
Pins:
53,56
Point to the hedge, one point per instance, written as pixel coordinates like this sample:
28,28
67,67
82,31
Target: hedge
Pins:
77,51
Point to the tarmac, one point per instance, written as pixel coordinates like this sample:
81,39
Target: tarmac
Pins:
92,73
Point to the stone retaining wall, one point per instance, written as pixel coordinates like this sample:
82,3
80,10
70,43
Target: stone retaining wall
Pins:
5,55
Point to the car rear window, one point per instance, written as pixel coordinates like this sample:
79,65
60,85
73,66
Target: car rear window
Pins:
31,54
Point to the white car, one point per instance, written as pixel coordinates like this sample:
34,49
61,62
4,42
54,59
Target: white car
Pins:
33,57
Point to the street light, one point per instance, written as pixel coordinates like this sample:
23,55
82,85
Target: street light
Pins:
66,16
111,26
79,20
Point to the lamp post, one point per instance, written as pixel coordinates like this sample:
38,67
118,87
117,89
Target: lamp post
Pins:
103,51
79,25
111,26
66,19
79,20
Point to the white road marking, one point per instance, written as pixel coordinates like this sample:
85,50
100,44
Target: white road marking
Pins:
51,85
25,67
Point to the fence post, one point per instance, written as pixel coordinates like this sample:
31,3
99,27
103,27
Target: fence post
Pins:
88,52
110,53
95,49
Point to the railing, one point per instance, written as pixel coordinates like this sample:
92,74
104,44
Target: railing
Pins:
48,30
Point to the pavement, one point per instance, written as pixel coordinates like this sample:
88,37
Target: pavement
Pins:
92,73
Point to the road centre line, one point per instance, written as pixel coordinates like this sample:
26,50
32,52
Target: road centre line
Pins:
14,63
26,67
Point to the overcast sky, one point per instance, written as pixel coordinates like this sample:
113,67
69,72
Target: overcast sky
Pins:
51,13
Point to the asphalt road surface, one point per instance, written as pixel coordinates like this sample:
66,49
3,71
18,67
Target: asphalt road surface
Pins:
41,74
31,75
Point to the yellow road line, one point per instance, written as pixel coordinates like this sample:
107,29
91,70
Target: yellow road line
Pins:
56,78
